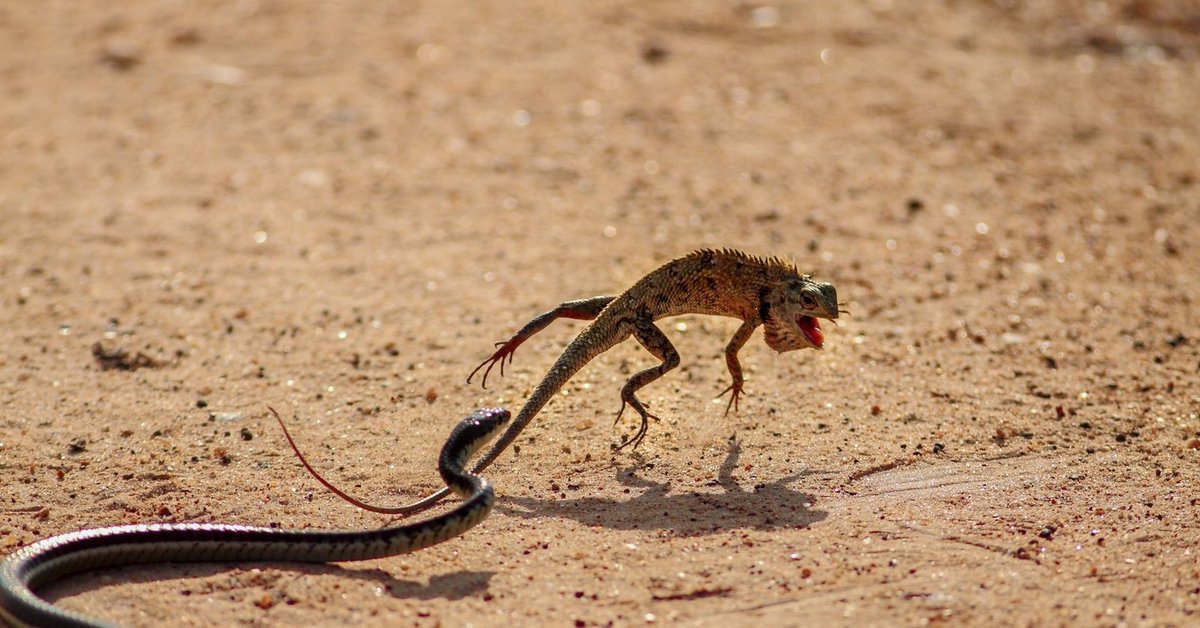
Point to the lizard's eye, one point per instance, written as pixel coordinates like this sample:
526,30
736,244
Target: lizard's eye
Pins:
808,301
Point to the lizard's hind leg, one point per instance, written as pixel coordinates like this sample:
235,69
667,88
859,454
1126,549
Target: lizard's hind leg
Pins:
660,347
581,309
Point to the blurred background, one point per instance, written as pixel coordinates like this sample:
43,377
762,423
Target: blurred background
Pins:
335,208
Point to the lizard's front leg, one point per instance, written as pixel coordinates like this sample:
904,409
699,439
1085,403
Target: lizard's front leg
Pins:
582,310
660,347
731,360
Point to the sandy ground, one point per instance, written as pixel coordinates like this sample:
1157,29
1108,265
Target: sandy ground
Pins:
336,208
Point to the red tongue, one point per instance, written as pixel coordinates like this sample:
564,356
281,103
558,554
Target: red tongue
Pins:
812,330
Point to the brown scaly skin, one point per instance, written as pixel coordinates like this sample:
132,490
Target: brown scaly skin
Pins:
759,291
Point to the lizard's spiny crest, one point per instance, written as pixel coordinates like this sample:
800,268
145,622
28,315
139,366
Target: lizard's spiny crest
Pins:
773,262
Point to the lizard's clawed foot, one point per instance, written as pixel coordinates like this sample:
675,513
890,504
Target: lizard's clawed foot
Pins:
636,439
504,351
736,389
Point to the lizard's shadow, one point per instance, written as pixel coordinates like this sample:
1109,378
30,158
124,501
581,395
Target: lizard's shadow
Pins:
767,507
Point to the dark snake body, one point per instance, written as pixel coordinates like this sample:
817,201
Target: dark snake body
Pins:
55,558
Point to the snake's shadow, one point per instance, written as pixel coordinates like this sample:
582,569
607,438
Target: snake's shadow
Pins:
767,507
452,586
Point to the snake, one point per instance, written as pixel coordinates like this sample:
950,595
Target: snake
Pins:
39,564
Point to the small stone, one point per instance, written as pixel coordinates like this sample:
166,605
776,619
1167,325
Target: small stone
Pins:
226,75
1010,338
654,52
764,17
187,36
120,54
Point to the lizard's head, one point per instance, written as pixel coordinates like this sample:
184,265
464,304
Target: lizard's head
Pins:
790,313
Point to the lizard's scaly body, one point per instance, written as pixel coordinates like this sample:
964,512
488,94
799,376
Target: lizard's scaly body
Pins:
725,282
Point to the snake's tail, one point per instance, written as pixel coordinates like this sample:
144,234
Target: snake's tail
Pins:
406,509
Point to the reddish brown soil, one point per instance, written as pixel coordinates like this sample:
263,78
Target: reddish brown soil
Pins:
336,208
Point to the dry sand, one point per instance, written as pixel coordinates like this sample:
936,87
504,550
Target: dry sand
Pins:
336,208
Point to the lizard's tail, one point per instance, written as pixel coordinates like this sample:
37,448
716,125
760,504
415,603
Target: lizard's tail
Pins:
590,343
587,345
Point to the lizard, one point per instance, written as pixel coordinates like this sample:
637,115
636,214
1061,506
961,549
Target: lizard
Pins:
760,291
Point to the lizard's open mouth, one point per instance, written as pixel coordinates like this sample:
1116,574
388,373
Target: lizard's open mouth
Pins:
811,329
